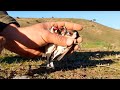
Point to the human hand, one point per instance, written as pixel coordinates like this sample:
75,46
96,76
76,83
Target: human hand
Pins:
30,41
2,43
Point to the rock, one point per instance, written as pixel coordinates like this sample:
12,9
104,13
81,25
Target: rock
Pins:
21,77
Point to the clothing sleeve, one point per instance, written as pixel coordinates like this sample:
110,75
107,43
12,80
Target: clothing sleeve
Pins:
5,20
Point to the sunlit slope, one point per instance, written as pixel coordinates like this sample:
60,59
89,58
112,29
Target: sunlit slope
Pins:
93,33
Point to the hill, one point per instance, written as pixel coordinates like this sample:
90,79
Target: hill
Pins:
95,35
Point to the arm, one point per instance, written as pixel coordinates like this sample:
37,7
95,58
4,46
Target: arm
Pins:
30,41
5,20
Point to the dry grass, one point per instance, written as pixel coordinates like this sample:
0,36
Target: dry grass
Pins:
79,65
99,57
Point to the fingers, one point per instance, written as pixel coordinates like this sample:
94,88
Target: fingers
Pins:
57,39
77,47
68,25
2,43
79,39
2,39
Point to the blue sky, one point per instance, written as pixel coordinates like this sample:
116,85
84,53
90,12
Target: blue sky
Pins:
108,18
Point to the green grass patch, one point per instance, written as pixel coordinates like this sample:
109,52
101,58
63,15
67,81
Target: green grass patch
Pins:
96,44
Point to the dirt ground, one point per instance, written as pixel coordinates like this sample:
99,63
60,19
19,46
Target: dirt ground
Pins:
79,65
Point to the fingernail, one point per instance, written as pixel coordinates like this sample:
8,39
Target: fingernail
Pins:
69,41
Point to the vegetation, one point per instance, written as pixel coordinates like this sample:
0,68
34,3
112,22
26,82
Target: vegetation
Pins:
99,57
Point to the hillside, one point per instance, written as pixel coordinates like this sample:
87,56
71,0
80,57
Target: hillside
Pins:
95,35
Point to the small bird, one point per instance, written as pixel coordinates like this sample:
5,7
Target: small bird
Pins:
54,52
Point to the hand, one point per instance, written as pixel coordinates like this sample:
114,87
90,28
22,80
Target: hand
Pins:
30,41
2,43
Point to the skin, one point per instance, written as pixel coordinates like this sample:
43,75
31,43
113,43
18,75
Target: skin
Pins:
30,41
2,43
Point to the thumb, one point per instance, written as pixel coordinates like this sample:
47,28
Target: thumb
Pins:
59,40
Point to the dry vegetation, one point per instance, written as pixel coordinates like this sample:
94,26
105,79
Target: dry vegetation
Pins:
99,57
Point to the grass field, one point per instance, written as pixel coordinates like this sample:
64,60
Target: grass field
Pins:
80,65
99,57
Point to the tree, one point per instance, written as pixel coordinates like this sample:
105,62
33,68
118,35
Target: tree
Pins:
94,20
